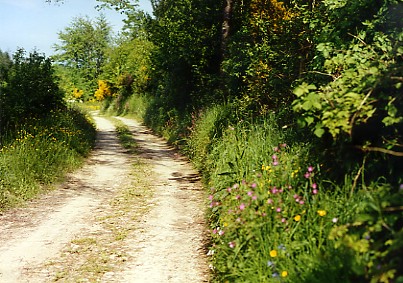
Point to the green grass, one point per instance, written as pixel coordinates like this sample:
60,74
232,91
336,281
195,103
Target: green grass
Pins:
125,137
38,152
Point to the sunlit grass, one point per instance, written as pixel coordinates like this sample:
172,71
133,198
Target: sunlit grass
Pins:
39,152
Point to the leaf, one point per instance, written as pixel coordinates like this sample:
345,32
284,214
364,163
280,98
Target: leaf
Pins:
319,131
309,120
303,89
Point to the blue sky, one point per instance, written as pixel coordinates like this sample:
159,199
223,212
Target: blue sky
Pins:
34,24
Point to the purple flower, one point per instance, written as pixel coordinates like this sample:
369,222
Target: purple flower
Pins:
270,263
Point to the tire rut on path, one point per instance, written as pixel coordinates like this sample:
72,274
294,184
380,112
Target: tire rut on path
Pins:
167,246
170,247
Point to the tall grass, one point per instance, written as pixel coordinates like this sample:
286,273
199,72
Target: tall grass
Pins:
38,152
276,218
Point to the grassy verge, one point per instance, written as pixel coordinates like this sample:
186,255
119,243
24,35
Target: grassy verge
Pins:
276,218
39,152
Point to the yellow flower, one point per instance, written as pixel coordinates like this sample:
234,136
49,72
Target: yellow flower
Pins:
322,213
284,273
297,218
273,253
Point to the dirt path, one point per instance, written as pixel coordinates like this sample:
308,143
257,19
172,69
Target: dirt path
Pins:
121,218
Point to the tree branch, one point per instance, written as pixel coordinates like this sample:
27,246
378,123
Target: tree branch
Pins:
380,149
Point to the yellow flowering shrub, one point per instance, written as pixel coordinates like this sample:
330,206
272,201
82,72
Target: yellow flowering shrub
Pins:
78,93
102,91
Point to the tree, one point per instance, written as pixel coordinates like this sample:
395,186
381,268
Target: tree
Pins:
83,47
30,88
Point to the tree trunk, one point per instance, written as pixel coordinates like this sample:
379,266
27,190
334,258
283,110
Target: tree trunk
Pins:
226,27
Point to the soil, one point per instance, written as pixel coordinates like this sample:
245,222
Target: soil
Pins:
122,217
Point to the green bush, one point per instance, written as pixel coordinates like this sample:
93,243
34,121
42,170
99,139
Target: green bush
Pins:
30,89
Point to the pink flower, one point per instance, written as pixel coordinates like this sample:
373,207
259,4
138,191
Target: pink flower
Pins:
307,175
231,245
314,186
253,185
274,157
238,197
210,197
229,190
278,209
250,193
295,196
283,220
315,191
275,163
274,190
242,206
221,232
310,169
269,201
254,198
301,202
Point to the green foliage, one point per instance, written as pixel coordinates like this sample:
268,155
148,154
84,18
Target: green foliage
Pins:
28,88
360,88
186,34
